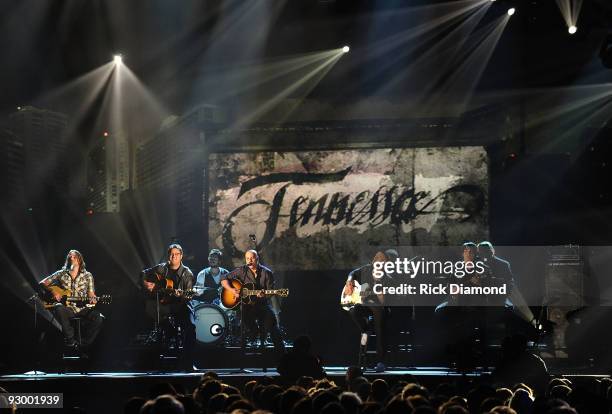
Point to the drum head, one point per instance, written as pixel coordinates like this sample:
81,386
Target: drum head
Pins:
210,323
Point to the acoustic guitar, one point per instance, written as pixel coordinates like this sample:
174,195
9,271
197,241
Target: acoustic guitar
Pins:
67,299
246,293
360,291
166,289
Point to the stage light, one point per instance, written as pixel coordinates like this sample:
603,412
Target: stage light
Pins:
511,11
345,49
105,133
118,59
572,29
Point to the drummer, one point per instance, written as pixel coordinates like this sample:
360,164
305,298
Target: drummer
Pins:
208,281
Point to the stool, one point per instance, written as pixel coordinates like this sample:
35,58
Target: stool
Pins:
76,321
76,354
75,360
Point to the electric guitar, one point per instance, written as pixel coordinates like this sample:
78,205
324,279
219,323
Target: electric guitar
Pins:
246,292
67,299
360,291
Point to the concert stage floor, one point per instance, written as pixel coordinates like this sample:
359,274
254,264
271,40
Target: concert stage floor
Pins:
228,373
333,372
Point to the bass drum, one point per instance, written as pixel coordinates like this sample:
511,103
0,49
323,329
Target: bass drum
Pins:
210,323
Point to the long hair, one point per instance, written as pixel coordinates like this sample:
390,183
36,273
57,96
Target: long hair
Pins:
79,257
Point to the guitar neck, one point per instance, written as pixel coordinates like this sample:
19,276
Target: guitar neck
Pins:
80,298
257,291
183,293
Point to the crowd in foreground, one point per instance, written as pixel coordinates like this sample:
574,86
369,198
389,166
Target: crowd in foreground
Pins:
362,396
520,384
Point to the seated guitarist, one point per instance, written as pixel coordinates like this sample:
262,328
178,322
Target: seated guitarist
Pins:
372,305
73,276
165,281
259,313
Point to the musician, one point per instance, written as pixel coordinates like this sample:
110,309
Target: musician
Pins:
173,309
462,314
502,271
457,318
260,311
73,276
469,255
496,266
372,305
209,278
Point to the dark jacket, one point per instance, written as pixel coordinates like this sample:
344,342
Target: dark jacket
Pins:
185,275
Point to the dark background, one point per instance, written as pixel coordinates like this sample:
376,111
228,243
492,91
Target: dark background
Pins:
548,186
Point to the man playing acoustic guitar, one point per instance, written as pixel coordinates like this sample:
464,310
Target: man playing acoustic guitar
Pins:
171,284
74,279
259,312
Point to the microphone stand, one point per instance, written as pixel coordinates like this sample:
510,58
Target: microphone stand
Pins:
242,338
34,300
156,334
242,370
157,317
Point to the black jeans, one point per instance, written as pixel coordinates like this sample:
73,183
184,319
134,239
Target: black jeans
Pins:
360,315
260,318
91,323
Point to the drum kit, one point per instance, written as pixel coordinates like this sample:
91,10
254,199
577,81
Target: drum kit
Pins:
214,323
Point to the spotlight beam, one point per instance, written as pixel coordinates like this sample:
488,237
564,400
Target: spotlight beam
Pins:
578,97
463,80
250,77
14,283
253,116
570,10
428,30
441,55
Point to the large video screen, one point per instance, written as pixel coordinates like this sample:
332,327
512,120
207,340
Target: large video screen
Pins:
316,210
